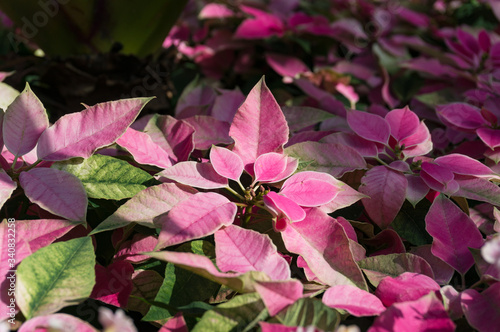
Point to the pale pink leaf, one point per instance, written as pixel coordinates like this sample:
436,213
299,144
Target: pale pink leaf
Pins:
425,314
482,310
208,131
290,168
277,295
7,95
386,189
369,126
345,197
132,250
354,300
490,137
461,115
215,11
56,191
7,187
403,123
261,25
204,267
324,245
192,173
335,159
81,134
269,166
60,322
453,233
405,287
452,303
24,121
226,163
310,188
175,324
281,205
442,271
460,164
42,232
241,250
197,216
143,149
258,126
146,205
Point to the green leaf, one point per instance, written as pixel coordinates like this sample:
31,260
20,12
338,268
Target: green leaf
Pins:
410,223
106,177
56,276
310,311
242,313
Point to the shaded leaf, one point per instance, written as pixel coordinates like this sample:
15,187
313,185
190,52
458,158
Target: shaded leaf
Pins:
192,173
310,312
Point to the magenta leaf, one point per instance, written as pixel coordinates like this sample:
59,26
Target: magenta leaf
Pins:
277,295
146,205
335,159
482,309
442,271
56,191
269,166
197,216
7,187
208,131
453,233
280,205
143,149
310,188
81,134
226,163
241,250
462,115
405,287
324,245
354,300
388,242
215,10
460,164
403,123
113,283
24,121
192,173
439,178
60,321
369,126
262,25
425,314
386,190
226,104
176,323
416,190
258,126
490,137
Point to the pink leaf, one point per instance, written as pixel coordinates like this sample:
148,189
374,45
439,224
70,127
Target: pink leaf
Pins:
405,287
490,137
349,230
277,295
199,215
269,166
482,309
258,126
478,189
386,189
279,205
271,327
61,322
143,149
345,197
285,65
442,271
453,233
192,173
226,104
461,115
369,126
215,11
113,283
355,301
416,190
42,232
439,178
146,205
425,314
208,131
175,324
460,164
81,134
241,250
7,187
364,147
56,191
310,188
452,303
324,245
403,123
24,121
226,163
131,250
262,25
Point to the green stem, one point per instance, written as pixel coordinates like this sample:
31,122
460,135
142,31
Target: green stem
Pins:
381,161
14,163
235,193
33,165
241,186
